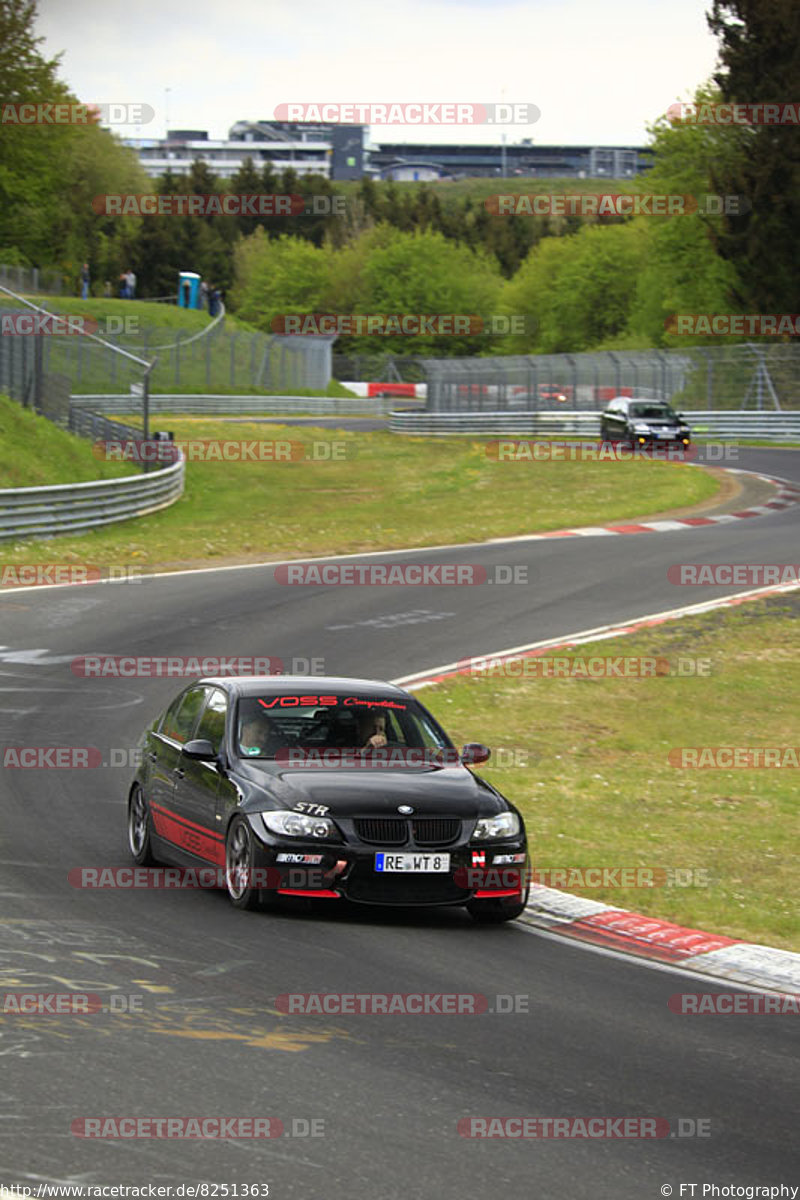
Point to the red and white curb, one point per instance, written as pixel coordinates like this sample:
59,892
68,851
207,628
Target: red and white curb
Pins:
787,495
662,941
591,921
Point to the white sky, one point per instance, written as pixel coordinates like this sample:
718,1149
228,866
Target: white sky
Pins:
599,70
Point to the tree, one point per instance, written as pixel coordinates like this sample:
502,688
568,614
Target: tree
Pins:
577,292
760,63
50,174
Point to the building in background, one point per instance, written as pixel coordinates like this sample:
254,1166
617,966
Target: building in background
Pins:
340,152
412,160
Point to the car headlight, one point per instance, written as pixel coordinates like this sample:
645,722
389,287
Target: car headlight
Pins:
504,825
299,825
641,429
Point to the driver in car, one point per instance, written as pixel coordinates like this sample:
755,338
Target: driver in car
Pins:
372,731
258,736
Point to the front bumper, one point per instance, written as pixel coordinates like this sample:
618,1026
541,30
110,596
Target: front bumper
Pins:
347,871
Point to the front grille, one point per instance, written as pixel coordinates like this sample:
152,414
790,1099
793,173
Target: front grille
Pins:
435,831
382,831
393,831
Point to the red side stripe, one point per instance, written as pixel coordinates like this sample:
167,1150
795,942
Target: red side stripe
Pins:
188,835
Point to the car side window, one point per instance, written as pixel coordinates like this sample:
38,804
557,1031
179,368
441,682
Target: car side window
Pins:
182,715
212,722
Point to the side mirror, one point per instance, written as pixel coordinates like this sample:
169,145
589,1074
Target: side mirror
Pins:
474,752
199,749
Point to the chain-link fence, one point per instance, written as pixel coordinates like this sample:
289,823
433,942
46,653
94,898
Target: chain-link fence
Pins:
218,361
37,359
749,376
379,368
32,280
212,360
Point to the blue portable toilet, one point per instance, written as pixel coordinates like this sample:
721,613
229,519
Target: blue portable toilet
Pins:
188,289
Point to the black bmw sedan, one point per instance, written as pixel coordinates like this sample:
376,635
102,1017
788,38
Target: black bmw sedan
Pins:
325,789
644,423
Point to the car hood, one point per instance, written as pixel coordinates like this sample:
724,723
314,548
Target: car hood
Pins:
453,791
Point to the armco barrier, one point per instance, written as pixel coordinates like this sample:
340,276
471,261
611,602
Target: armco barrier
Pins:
223,405
76,507
770,426
500,424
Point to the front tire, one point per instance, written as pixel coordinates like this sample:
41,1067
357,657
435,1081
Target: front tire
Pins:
139,827
240,869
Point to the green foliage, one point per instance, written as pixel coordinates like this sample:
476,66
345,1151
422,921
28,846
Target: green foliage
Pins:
384,271
577,292
760,57
49,174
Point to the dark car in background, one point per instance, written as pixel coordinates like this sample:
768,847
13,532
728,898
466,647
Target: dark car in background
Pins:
644,423
324,789
554,393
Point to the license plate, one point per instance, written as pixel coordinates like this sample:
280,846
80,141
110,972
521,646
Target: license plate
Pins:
667,435
413,864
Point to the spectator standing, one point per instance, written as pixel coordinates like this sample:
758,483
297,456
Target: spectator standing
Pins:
85,281
131,284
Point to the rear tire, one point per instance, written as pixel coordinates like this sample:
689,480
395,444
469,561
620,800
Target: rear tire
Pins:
139,827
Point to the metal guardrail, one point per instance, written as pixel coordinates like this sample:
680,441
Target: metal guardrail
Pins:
76,507
494,424
773,426
99,428
223,405
770,426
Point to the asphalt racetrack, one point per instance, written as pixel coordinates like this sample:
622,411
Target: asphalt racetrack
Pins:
384,1094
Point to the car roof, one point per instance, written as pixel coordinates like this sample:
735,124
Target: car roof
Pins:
282,685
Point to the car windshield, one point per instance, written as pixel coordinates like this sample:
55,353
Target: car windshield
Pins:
653,412
268,725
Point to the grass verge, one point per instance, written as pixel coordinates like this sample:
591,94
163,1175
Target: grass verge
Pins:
34,452
586,761
371,491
